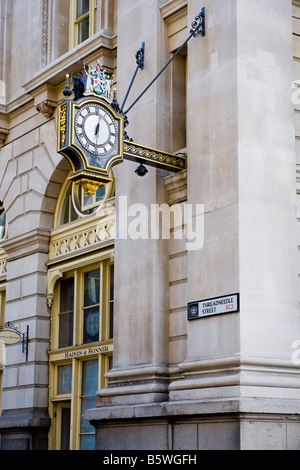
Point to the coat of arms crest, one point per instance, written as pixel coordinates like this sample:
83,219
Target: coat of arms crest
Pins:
97,82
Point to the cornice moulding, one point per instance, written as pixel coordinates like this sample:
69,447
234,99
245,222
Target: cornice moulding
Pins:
16,103
172,7
73,60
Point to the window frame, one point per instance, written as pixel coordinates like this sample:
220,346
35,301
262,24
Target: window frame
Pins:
73,399
74,354
74,22
72,194
78,271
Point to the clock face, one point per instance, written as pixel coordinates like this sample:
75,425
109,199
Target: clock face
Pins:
96,129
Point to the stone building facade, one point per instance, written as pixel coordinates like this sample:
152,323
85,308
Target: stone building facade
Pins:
111,359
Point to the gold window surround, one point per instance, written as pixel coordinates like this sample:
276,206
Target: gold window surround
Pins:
77,19
81,350
77,269
77,196
77,248
71,400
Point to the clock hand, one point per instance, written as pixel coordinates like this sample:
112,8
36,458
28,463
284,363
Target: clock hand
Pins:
99,128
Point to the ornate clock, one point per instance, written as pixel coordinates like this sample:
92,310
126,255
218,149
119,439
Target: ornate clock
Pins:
91,133
90,136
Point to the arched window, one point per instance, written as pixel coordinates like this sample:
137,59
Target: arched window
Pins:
77,204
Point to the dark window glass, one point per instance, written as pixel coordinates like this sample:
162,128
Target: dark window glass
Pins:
83,7
65,428
64,382
91,306
68,213
2,222
66,317
83,30
88,400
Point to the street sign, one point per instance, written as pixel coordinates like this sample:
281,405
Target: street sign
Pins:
9,337
214,306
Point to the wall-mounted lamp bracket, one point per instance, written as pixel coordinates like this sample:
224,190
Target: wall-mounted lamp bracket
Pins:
140,61
198,25
25,340
197,29
11,335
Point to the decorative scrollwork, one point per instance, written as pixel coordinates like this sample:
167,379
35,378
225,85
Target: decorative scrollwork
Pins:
152,155
198,25
63,124
140,58
3,267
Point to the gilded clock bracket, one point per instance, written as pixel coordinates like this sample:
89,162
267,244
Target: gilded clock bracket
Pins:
154,158
91,186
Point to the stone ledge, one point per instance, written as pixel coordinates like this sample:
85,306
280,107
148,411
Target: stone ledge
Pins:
36,241
72,60
176,187
24,419
260,408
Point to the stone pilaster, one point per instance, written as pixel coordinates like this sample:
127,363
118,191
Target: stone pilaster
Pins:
238,387
25,398
140,371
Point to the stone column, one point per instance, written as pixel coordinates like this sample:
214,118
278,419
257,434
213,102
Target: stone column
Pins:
238,387
139,374
242,167
213,181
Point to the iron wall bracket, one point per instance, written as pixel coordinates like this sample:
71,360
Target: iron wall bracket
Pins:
24,336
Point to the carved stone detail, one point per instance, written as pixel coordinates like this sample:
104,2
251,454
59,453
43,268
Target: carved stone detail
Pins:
47,108
47,32
3,135
3,264
88,237
50,299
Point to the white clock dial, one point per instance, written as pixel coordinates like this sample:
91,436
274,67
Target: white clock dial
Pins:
96,129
